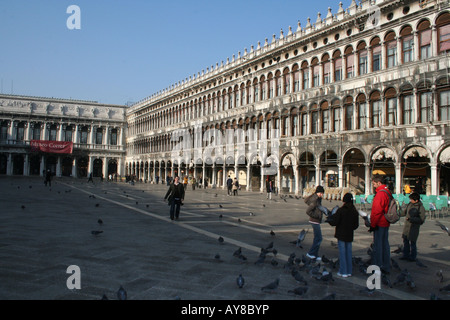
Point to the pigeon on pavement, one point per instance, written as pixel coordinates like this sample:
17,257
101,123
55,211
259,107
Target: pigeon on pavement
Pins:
121,294
240,281
271,286
299,291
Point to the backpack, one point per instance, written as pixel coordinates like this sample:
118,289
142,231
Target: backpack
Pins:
393,213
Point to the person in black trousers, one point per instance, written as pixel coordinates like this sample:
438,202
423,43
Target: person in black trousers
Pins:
175,194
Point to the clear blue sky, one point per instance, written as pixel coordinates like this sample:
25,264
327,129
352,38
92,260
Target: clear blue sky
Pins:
127,50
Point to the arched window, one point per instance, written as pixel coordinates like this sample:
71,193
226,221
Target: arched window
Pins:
361,109
52,132
391,49
255,90
314,119
376,54
305,74
263,84
336,113
294,122
337,65
20,131
36,134
391,107
326,68
304,121
348,113
271,86
443,28
296,73
362,58
350,60
278,84
316,72
68,133
424,39
407,44
286,81
84,135
408,115
443,89
325,113
375,109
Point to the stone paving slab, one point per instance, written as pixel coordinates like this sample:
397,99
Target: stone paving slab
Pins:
155,258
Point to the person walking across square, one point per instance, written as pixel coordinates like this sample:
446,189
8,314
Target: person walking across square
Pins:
175,195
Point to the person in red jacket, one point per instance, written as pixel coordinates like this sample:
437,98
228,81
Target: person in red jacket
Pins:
381,253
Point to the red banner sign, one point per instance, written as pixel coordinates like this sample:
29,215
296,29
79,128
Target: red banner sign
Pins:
51,146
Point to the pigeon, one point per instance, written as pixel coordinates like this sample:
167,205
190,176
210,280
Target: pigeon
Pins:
220,240
443,227
252,214
23,207
238,252
121,294
240,281
401,277
220,216
217,258
220,206
104,297
298,277
239,220
96,232
242,257
271,286
100,221
274,262
261,259
299,291
97,204
440,276
272,233
269,246
410,282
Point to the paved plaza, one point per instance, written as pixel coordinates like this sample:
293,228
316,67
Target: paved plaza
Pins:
44,230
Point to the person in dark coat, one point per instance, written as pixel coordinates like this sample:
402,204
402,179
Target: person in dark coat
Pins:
346,220
414,212
175,195
48,178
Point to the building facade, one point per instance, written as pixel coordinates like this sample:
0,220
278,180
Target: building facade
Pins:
361,91
97,132
365,90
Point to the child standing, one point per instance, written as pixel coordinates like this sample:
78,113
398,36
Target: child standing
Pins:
415,217
346,220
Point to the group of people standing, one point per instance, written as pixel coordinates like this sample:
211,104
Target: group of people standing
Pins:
346,221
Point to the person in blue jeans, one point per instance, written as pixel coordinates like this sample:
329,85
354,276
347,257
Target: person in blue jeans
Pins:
315,212
346,220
